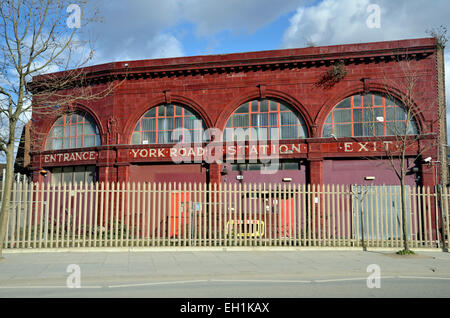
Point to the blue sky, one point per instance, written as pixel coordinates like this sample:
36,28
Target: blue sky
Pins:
141,29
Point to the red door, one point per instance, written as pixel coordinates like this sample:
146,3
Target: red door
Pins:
179,214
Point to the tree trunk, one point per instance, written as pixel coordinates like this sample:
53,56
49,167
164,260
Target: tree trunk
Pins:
6,194
404,219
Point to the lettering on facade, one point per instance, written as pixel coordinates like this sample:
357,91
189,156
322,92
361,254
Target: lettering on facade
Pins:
70,157
369,146
231,151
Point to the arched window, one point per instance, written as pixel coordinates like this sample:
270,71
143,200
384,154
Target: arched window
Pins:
75,130
167,124
369,115
261,119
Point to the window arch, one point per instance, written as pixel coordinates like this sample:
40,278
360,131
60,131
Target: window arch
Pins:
74,130
260,119
369,115
157,126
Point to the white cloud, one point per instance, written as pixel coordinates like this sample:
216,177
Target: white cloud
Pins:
144,29
235,15
344,21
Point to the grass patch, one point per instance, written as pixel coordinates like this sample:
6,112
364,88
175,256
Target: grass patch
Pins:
405,252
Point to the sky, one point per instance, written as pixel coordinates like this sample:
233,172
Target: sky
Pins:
147,29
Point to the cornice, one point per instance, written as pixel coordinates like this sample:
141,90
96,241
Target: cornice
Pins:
257,61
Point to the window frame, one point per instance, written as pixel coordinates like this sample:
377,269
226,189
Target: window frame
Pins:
167,133
274,106
383,107
64,171
66,124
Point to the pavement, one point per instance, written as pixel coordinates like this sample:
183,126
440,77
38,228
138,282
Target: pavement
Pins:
223,273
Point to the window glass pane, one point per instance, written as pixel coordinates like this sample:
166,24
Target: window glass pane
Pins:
357,101
367,100
169,123
178,123
412,128
67,175
255,166
389,101
288,118
57,131
378,113
151,113
161,124
302,132
368,129
254,120
57,143
344,104
89,141
263,133
290,166
390,113
343,130
162,137
189,123
358,129
79,174
273,166
161,111
254,106
264,106
326,131
169,111
56,175
135,138
234,167
329,118
90,174
240,120
264,119
379,129
378,100
148,137
368,115
274,119
342,116
148,124
288,132
400,113
283,107
243,109
357,115
273,105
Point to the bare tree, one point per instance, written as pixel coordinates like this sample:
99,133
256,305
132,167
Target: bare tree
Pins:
39,37
406,144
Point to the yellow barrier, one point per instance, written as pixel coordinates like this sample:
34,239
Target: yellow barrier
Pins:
255,228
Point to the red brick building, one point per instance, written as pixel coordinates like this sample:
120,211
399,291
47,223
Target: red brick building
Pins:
329,114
